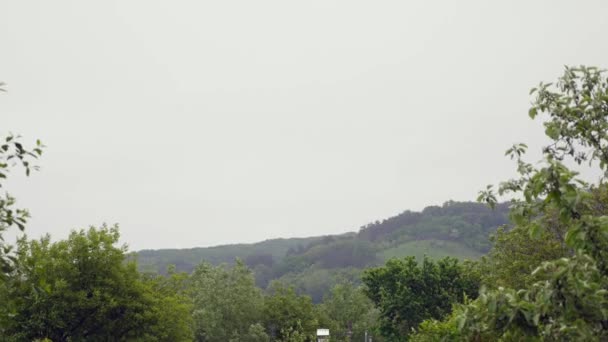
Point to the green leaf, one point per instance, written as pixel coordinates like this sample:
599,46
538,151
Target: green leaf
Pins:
552,131
534,230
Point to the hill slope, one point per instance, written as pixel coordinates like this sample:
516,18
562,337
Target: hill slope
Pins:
314,264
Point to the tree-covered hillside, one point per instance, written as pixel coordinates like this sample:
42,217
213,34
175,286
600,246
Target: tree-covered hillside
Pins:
313,265
186,259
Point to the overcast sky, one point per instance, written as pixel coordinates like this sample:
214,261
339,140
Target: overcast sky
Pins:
196,123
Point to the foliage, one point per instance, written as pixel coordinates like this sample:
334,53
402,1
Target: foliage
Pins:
172,307
407,293
12,152
342,253
314,265
256,333
434,249
465,222
226,302
569,302
317,282
351,312
81,289
287,316
515,255
432,330
187,259
294,334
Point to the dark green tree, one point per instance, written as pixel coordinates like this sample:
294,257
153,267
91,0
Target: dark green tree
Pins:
288,316
81,289
406,293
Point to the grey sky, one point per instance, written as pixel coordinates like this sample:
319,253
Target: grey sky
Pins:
195,123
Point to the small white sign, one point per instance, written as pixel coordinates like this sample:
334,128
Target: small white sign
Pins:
322,332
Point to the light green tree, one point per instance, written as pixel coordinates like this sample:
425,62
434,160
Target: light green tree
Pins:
227,305
171,308
569,300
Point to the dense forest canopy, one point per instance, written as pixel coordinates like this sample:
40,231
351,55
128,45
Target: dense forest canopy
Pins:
314,265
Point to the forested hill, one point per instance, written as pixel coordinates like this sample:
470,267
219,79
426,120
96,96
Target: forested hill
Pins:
313,264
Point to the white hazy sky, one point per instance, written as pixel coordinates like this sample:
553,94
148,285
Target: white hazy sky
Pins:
196,123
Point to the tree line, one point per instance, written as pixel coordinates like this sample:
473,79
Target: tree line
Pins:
314,265
85,289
